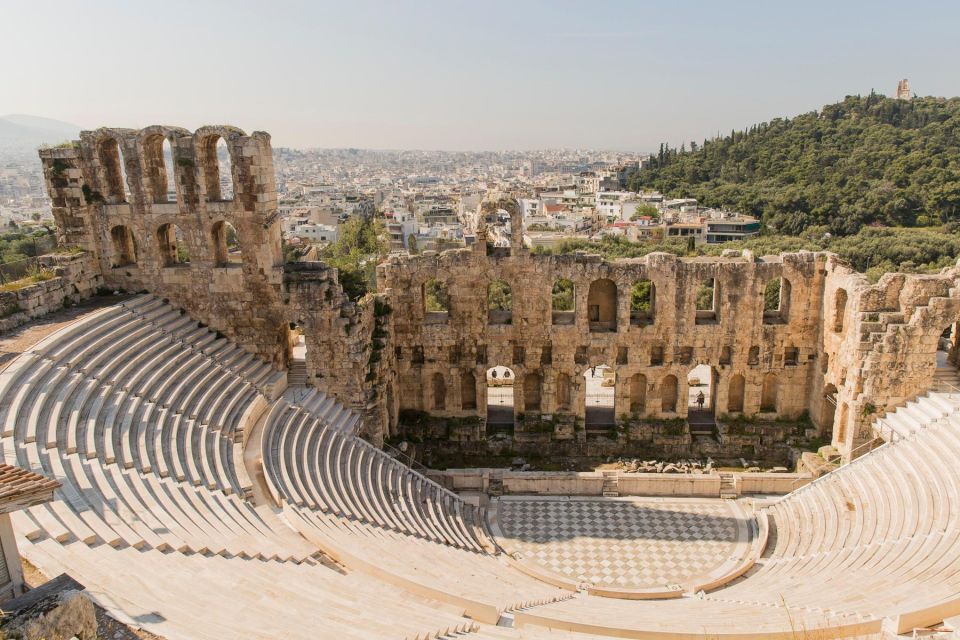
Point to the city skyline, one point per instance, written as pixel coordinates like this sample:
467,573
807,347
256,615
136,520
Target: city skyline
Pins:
450,76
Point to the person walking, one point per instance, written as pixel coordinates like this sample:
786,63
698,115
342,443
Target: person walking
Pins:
700,400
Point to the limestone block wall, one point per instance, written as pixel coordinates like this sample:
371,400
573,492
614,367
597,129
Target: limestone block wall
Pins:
76,277
880,343
111,197
349,351
736,340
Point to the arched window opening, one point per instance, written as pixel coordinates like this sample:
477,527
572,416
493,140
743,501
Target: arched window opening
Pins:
436,301
114,172
438,389
707,303
170,185
172,245
563,393
776,301
217,169
499,399
531,393
124,246
155,168
839,310
668,394
735,394
602,305
701,396
769,392
563,302
499,303
468,391
643,298
226,245
600,382
638,393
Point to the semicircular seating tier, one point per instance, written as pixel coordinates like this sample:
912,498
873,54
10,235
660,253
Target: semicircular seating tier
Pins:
141,414
139,411
874,545
371,512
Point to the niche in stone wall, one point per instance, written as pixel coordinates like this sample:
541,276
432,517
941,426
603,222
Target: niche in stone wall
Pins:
531,392
124,246
638,393
735,393
468,391
769,393
563,392
438,388
668,394
602,306
839,309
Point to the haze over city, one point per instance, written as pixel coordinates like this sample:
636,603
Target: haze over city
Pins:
488,75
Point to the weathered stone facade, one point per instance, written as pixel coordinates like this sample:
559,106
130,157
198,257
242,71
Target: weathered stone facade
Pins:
836,346
110,197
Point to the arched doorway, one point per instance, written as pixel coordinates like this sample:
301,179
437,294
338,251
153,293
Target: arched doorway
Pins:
297,356
500,414
701,399
600,384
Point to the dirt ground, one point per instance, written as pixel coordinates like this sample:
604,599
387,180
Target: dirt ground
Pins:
15,342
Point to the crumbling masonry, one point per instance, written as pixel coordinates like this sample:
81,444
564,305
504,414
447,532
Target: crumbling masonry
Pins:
836,346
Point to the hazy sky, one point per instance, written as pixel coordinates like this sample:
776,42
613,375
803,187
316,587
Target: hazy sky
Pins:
465,75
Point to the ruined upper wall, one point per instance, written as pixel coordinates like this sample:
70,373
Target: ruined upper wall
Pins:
110,197
651,355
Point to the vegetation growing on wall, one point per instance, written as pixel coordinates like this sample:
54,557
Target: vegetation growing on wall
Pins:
861,161
874,250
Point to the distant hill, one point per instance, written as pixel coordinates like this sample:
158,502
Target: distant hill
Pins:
865,160
23,132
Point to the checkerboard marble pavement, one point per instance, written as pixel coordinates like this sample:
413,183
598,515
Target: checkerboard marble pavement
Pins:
620,543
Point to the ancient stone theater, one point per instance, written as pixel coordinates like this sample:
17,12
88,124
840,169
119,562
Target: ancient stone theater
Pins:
218,424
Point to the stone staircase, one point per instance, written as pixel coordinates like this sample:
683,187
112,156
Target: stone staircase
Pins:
728,486
611,484
946,379
297,373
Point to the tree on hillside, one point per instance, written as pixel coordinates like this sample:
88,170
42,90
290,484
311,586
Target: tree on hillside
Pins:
861,161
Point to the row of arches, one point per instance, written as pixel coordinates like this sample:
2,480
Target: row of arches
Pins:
159,164
173,248
603,302
501,380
